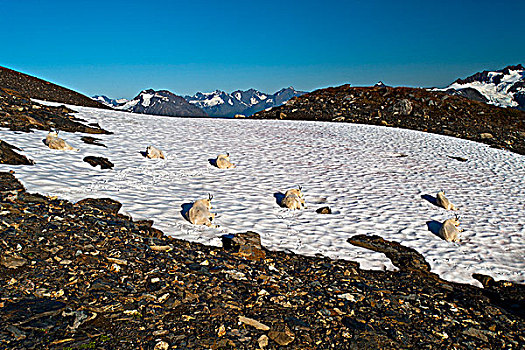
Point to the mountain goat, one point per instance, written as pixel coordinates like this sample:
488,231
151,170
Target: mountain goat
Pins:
223,161
442,201
54,142
154,153
199,213
294,199
449,230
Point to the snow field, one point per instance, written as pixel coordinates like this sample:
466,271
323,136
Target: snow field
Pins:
357,170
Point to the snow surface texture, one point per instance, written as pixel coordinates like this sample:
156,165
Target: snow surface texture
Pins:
355,169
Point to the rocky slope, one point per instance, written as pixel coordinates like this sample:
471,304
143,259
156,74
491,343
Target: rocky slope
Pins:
417,109
43,90
82,276
504,87
18,112
162,102
223,104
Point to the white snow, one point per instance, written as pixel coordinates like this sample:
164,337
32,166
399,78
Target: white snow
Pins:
127,106
499,94
146,99
354,169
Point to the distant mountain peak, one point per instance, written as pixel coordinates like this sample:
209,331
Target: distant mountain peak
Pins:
110,102
504,87
162,102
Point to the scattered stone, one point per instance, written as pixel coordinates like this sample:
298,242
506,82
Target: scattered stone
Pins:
281,334
461,159
324,210
402,257
486,135
161,345
92,141
403,107
338,119
253,323
94,161
263,341
240,116
247,245
12,261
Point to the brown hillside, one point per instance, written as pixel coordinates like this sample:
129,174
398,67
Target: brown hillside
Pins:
43,90
410,108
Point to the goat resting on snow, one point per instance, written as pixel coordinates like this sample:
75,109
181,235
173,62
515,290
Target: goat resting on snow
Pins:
199,213
153,153
442,201
223,161
449,230
54,142
294,199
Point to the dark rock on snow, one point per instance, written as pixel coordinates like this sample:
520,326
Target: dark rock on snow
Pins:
9,156
94,161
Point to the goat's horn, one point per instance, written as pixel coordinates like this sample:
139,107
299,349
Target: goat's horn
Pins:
300,187
210,196
228,154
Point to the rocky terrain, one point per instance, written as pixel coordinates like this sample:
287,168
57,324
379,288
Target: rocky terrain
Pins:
162,102
43,90
410,108
18,112
76,276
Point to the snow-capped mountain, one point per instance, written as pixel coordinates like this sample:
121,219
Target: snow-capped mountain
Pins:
162,102
110,102
223,104
504,88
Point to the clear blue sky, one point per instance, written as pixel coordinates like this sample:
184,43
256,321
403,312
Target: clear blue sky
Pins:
118,48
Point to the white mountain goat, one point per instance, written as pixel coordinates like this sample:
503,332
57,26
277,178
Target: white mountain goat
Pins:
199,213
54,142
153,153
442,201
223,161
294,199
449,230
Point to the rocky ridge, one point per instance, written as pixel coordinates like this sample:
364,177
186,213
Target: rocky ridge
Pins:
410,108
43,90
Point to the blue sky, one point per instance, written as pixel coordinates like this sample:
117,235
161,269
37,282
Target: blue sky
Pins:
118,48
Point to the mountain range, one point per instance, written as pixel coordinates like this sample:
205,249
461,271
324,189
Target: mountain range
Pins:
248,102
503,88
214,104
